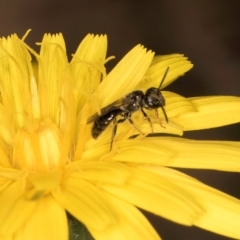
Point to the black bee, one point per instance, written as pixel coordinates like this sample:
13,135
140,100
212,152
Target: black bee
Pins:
132,102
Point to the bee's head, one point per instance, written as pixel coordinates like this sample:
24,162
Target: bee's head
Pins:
153,99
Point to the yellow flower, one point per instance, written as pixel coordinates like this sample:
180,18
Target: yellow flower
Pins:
49,163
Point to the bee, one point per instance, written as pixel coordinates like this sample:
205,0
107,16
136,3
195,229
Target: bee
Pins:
132,102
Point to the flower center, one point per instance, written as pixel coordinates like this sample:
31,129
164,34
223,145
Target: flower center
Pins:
38,148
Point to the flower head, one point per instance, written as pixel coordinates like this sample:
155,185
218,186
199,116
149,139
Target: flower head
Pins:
50,163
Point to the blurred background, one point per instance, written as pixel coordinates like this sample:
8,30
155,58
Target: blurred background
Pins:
208,32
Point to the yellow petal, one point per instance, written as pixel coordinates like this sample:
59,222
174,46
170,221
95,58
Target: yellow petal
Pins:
168,151
85,202
4,161
131,224
41,184
15,70
87,66
212,112
186,153
101,171
7,237
6,134
222,212
51,74
125,75
176,104
49,221
15,209
144,151
177,63
11,173
157,195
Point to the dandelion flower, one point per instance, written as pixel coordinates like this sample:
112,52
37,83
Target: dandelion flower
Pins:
50,164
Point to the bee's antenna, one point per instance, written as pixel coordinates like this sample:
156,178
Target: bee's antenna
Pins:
164,76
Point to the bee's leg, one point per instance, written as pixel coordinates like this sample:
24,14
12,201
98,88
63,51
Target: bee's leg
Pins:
147,117
128,117
159,120
165,114
114,131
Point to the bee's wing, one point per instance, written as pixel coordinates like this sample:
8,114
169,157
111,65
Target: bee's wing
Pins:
105,110
93,118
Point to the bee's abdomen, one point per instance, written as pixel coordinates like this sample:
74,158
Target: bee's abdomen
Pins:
101,123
